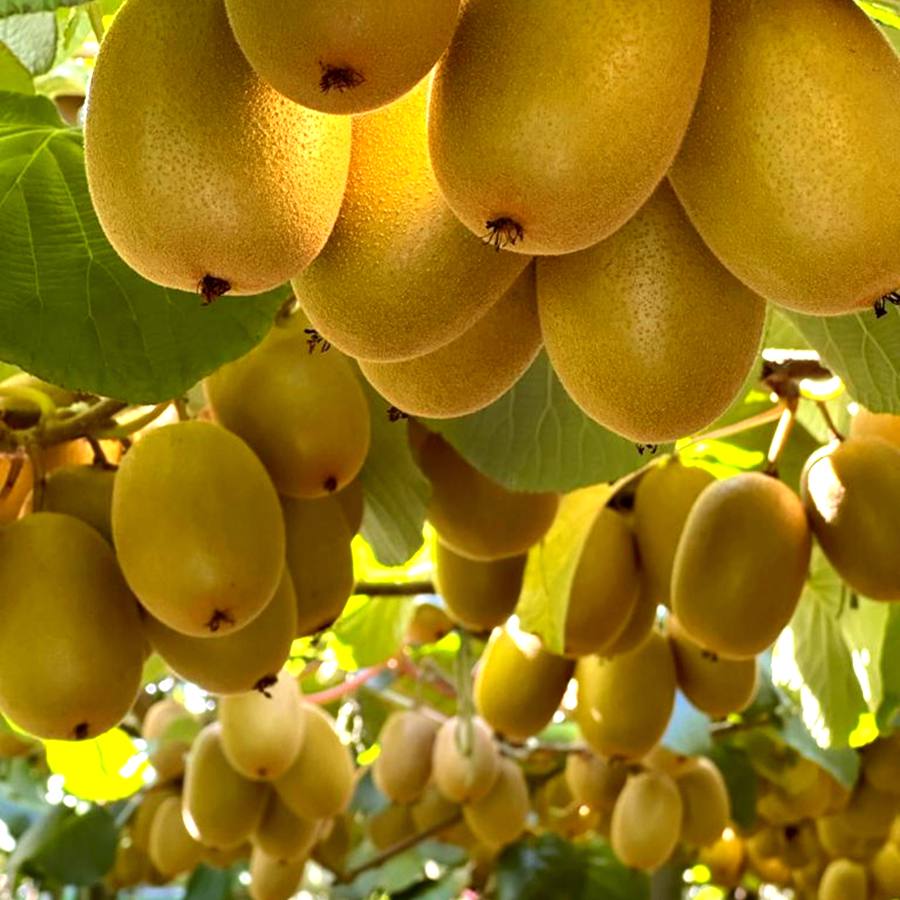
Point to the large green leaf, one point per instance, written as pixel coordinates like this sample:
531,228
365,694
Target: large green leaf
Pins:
370,630
32,38
890,670
13,74
71,311
13,7
534,438
741,781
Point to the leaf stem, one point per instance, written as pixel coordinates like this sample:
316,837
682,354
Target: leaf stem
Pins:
394,589
95,14
782,435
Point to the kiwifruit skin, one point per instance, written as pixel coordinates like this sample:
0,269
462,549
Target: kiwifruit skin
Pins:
646,820
783,133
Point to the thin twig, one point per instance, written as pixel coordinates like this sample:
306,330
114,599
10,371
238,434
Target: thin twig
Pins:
394,589
829,421
348,686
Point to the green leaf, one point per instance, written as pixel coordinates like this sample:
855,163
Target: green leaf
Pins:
890,670
862,350
207,883
13,7
71,311
396,490
534,438
32,38
864,624
13,75
688,729
370,630
741,781
843,763
106,768
551,566
548,866
782,333
812,661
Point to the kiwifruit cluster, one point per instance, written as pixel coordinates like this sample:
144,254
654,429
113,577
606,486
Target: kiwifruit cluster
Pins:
452,186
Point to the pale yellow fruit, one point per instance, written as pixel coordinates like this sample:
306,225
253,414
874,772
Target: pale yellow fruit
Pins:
624,703
885,870
653,300
274,879
585,120
726,599
869,424
263,730
519,685
870,813
352,500
725,860
838,840
705,803
319,783
282,834
226,857
172,850
168,753
498,817
594,781
399,276
474,369
303,413
84,492
639,625
186,192
662,759
347,56
197,527
390,826
236,662
403,768
646,821
142,820
429,623
844,880
221,808
787,93
464,773
70,635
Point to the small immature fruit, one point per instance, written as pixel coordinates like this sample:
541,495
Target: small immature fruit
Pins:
646,821
319,558
263,729
429,623
474,369
653,300
464,774
844,880
519,685
664,497
480,595
221,808
725,597
705,804
883,425
70,634
345,57
403,768
499,816
197,527
783,78
476,516
200,200
274,879
302,411
852,494
282,834
237,662
595,781
713,684
84,492
605,586
624,703
584,122
172,850
319,783
439,278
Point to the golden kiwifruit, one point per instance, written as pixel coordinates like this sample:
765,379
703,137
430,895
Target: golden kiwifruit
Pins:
564,148
801,845
852,494
283,834
725,860
870,813
783,79
519,685
399,276
558,811
465,760
197,528
837,840
498,817
429,622
662,759
604,588
639,625
343,57
772,871
263,729
215,205
303,413
319,783
646,820
84,492
881,763
70,634
319,558
624,703
142,821
130,868
238,661
663,499
168,753
653,300
389,826
767,842
844,880
13,744
221,808
741,564
226,857
869,424
474,369
476,516
715,685
352,500
274,879
885,870
332,847
403,768
480,594
172,850
705,803
594,781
